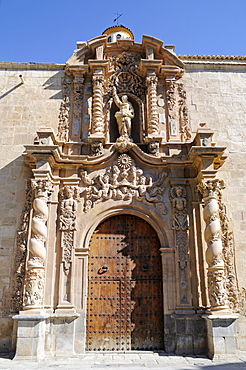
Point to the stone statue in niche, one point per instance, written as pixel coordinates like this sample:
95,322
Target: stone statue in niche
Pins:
124,115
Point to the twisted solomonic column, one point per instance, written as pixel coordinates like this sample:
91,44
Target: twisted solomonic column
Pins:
34,281
97,105
214,253
153,118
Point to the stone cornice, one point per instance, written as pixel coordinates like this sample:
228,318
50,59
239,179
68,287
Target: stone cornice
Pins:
32,66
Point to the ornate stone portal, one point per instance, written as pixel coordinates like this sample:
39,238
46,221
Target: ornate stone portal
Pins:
123,146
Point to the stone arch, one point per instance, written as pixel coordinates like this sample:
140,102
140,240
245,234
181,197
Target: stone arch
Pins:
144,214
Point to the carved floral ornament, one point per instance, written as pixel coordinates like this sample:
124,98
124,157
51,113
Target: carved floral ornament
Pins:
123,181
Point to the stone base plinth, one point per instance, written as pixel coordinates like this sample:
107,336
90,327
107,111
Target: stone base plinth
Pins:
222,330
30,337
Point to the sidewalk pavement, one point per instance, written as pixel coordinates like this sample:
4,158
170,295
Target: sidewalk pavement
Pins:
126,361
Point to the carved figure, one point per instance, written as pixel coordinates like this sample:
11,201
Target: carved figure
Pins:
123,181
180,222
153,148
68,210
124,115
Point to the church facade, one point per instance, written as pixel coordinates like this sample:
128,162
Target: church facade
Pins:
123,201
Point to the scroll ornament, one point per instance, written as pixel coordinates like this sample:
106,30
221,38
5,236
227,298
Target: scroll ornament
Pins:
123,181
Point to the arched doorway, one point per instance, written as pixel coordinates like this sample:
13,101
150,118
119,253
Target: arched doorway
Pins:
125,304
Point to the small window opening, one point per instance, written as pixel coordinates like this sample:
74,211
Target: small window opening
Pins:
109,39
118,36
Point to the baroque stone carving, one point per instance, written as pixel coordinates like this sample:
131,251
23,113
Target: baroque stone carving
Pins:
180,222
183,114
153,147
20,254
177,110
37,250
123,181
228,254
97,104
125,76
77,103
34,287
68,210
96,148
124,115
153,117
214,253
63,125
69,196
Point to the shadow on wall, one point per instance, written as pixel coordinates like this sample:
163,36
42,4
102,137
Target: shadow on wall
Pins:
13,181
52,84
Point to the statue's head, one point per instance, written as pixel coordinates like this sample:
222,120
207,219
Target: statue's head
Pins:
124,98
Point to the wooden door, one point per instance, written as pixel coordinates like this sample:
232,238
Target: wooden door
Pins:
125,308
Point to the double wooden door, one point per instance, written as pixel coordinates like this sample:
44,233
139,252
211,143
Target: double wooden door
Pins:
124,307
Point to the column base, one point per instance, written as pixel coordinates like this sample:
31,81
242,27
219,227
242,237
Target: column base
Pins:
221,331
30,336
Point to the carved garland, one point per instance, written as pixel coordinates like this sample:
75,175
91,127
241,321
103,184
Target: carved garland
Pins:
123,181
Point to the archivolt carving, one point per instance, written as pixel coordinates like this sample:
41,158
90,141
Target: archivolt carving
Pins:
123,181
180,222
125,77
20,254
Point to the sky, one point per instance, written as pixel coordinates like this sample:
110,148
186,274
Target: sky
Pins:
46,31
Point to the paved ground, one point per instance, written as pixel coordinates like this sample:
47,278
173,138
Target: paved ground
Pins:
127,361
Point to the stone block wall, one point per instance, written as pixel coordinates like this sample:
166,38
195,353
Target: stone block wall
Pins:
25,107
216,96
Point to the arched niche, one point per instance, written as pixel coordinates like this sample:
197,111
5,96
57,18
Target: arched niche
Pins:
137,121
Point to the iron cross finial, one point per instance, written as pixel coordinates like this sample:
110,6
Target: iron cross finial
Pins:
117,17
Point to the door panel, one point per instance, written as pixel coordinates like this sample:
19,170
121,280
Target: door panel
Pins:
125,308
